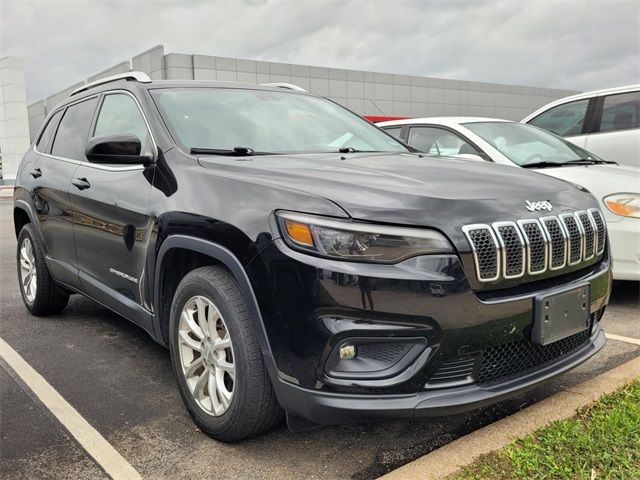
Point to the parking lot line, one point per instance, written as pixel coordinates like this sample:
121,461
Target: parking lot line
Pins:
88,437
620,338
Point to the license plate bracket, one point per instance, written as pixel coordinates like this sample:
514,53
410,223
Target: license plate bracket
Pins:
560,314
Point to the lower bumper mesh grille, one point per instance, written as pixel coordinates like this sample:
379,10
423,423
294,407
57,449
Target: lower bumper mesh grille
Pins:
510,359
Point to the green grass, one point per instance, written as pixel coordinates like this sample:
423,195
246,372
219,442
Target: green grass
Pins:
601,442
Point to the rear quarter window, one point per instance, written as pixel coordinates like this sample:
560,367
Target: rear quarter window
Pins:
47,133
394,131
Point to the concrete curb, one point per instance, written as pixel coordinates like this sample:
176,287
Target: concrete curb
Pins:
6,192
452,457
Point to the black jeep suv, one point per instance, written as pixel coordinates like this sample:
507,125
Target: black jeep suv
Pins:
295,258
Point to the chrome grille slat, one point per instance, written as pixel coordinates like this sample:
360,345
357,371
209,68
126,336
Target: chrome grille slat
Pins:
558,244
485,251
537,251
588,229
575,236
512,249
601,229
533,246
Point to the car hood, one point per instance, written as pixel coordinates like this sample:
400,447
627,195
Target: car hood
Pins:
405,188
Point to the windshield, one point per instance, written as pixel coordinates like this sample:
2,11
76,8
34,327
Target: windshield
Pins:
266,122
525,144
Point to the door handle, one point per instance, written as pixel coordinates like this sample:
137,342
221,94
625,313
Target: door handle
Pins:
81,183
36,172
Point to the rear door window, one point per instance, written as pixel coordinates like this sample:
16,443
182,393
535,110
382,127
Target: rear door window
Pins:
620,112
564,120
71,138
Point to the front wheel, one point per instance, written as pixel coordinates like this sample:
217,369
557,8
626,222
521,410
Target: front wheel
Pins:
39,291
215,354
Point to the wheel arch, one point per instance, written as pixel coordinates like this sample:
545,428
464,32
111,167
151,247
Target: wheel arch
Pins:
218,254
23,214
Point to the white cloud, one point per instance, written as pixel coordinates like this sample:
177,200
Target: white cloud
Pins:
567,44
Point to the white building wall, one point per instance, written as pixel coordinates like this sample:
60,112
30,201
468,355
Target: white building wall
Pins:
151,62
52,101
36,113
121,67
366,93
178,66
371,93
14,127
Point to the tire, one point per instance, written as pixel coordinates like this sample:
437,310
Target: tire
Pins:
43,297
225,360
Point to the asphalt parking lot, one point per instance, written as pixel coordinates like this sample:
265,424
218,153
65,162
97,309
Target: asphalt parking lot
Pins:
121,382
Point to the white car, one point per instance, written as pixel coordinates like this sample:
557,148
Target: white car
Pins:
605,122
617,187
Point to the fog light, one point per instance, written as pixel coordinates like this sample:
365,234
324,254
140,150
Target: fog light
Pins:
347,352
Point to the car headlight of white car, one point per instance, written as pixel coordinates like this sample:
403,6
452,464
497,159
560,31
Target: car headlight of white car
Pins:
624,204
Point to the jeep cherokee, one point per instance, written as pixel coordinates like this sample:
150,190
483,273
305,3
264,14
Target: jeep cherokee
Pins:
297,259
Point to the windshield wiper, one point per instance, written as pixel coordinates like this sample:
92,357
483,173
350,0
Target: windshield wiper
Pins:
355,150
541,165
590,161
235,152
569,163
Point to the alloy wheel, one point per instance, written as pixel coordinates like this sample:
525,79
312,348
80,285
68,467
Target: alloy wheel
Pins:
206,355
28,272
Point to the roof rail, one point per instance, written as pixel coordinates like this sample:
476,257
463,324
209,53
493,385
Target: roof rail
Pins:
288,86
135,76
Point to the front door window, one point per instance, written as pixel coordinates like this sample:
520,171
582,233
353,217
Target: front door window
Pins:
119,114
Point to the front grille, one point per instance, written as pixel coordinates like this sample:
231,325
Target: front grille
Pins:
511,359
509,249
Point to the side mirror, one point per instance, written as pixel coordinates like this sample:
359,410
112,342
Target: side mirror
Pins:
116,149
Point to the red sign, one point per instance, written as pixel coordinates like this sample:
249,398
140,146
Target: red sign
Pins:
380,118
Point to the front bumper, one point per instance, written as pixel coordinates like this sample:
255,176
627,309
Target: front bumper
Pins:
333,408
311,306
624,236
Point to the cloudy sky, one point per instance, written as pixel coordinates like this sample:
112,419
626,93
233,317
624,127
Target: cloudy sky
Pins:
567,44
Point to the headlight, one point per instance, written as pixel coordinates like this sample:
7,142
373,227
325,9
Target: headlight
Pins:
624,204
345,240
